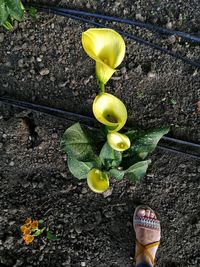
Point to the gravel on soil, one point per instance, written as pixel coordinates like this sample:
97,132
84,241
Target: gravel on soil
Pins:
92,229
43,62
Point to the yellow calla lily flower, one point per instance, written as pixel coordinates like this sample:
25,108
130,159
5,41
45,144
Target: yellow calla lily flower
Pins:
97,180
107,48
110,111
118,141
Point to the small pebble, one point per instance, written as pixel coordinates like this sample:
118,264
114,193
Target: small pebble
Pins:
20,63
73,236
107,193
4,136
171,39
139,17
83,264
12,223
44,72
26,185
52,79
38,59
43,48
40,185
34,184
169,25
151,74
78,230
84,190
18,263
54,135
11,163
123,70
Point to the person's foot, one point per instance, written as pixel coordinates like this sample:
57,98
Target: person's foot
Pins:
147,230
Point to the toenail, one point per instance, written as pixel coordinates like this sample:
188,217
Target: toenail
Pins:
147,213
141,212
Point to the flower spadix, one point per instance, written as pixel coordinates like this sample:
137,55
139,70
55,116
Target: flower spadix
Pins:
97,180
107,48
110,111
118,141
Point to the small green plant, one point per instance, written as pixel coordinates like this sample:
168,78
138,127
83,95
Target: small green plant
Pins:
101,154
173,102
32,228
10,10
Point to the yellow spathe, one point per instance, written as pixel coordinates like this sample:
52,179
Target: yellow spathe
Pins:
118,141
110,111
97,180
107,48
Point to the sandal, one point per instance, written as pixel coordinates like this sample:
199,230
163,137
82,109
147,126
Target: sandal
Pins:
147,223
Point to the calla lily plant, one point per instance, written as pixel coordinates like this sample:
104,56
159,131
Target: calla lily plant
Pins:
110,111
118,141
107,48
101,154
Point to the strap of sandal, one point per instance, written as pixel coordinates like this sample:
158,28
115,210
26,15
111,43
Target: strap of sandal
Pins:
144,249
147,222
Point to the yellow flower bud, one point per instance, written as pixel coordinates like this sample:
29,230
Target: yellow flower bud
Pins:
97,180
107,48
110,111
118,141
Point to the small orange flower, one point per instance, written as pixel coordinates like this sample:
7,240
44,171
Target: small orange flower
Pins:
25,230
23,227
28,221
28,239
34,224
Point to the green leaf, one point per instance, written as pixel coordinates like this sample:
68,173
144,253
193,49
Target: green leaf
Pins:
15,9
3,12
110,157
143,143
78,168
51,236
8,25
138,170
77,142
38,232
41,223
117,174
99,134
32,13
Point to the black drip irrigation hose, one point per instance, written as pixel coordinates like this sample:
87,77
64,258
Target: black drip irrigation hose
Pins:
49,110
132,22
140,40
165,143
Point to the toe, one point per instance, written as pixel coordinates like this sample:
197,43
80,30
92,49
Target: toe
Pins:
152,215
141,213
147,213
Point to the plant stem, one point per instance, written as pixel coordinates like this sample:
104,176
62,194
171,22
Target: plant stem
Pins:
102,87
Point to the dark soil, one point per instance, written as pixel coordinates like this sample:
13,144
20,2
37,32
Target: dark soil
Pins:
43,62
